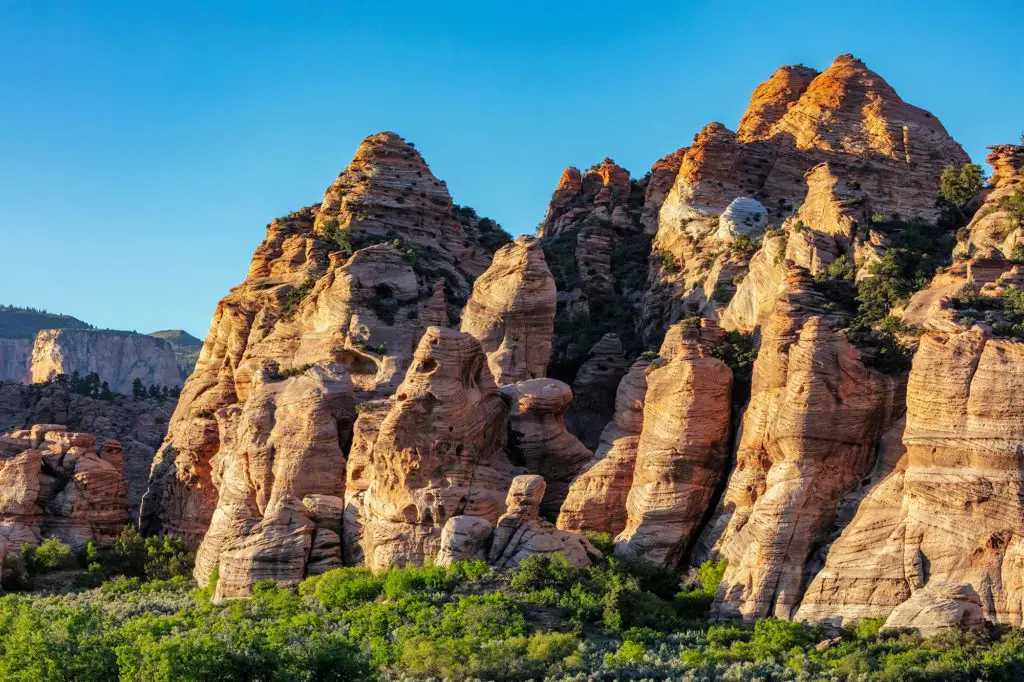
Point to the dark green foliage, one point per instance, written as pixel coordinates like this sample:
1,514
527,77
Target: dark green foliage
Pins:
1014,204
1005,313
739,353
332,230
560,254
744,247
50,555
133,556
629,260
669,264
958,187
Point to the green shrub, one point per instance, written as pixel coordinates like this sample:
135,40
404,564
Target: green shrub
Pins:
400,582
343,588
1014,204
50,555
958,187
744,247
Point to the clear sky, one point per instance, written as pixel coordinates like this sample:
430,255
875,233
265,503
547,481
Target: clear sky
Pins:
145,145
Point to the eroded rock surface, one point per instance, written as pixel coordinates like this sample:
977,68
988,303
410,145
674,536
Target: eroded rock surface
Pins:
62,484
512,312
848,117
681,453
280,477
808,436
439,452
596,500
344,282
538,439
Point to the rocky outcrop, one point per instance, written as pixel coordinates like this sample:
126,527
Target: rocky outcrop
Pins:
538,440
439,452
280,477
808,436
512,312
138,424
344,282
681,453
62,484
939,608
848,117
519,534
16,360
186,348
948,511
995,229
596,500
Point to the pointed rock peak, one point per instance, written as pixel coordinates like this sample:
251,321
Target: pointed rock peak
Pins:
387,144
571,181
712,131
772,99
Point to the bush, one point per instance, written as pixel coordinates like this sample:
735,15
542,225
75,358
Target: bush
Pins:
959,187
400,582
343,588
50,555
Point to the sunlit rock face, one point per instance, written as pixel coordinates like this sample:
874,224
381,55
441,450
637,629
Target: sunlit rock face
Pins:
438,453
354,281
875,145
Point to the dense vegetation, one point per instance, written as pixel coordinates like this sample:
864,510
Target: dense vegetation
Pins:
543,620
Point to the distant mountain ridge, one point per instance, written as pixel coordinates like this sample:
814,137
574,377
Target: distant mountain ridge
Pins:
186,348
25,323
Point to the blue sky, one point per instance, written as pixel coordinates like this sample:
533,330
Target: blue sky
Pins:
145,145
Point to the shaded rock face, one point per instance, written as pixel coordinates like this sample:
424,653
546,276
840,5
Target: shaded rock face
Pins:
538,440
808,436
139,425
681,453
519,534
512,312
847,117
16,360
62,484
948,512
305,301
597,243
596,500
438,453
119,358
280,475
594,390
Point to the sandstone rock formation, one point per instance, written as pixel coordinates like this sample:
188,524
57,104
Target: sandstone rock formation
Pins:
994,229
947,512
682,451
847,117
57,483
138,424
280,475
808,437
439,452
538,440
597,497
344,282
939,608
519,534
512,312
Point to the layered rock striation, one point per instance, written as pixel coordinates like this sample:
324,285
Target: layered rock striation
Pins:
354,281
